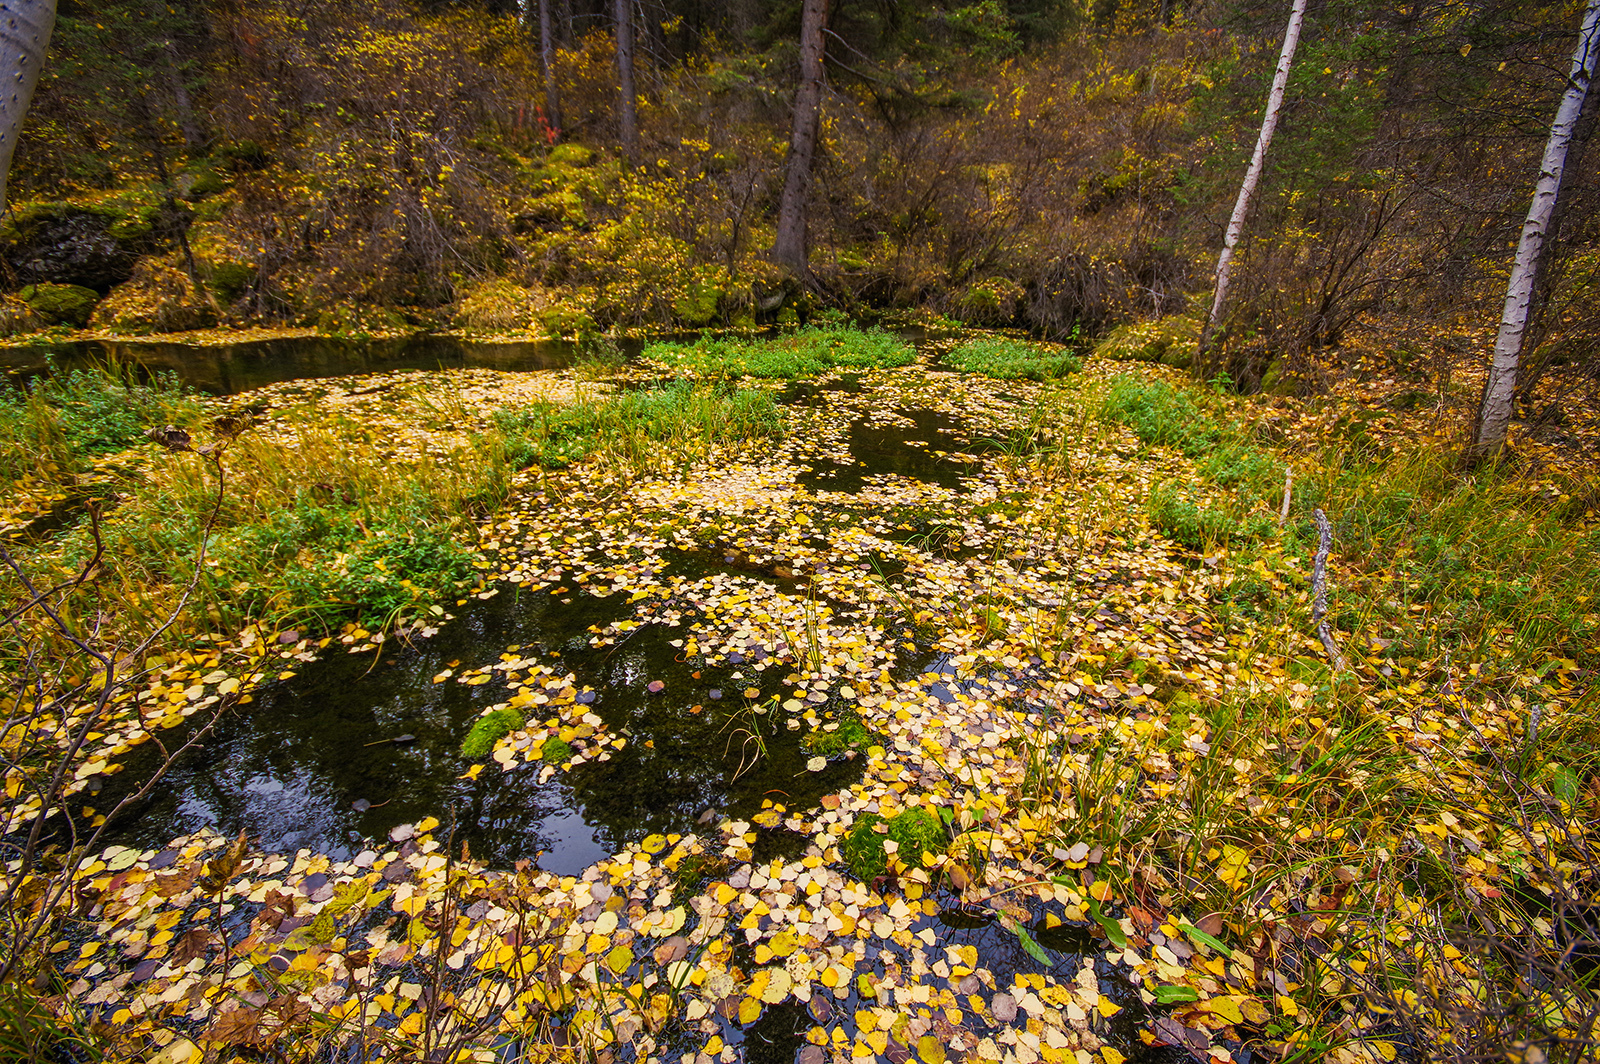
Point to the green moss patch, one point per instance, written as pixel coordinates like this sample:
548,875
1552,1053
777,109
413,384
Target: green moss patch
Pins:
490,729
914,831
61,303
851,734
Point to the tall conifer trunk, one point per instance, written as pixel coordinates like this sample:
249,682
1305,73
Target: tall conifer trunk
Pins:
629,96
1499,391
789,248
547,61
1247,189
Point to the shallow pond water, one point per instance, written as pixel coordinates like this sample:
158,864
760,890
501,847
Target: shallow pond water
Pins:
311,762
227,369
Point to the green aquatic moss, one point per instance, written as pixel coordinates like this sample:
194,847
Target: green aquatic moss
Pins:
915,831
488,730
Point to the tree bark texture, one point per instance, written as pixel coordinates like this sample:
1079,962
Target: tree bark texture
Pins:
25,28
629,96
789,248
547,60
1494,413
1252,177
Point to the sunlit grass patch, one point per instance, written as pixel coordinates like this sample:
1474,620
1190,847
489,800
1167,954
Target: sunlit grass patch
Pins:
669,424
802,354
1008,359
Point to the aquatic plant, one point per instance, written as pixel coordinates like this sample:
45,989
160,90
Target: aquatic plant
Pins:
488,730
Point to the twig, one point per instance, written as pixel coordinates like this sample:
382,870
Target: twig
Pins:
1288,493
1319,590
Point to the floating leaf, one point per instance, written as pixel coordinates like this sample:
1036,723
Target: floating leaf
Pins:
1173,995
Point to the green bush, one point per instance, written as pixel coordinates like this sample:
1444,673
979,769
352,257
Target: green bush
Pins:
1013,359
488,730
1200,527
66,417
914,831
803,354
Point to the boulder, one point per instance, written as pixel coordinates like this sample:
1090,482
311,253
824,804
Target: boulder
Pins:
67,244
58,304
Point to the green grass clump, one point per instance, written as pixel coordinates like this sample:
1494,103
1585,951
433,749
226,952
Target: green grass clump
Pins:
58,423
678,420
488,730
1201,527
851,734
1004,359
803,354
915,831
1161,415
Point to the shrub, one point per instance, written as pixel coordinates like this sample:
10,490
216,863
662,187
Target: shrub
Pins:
1160,414
488,730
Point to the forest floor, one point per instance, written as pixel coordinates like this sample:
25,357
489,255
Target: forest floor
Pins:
1100,789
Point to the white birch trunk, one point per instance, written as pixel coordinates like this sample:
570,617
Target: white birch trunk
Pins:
1494,414
1252,177
25,28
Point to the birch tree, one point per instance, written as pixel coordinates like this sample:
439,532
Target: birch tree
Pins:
1252,177
1494,413
629,96
25,28
789,247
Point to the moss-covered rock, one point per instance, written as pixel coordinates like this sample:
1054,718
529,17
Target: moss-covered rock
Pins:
1170,341
915,832
56,304
575,155
92,244
158,298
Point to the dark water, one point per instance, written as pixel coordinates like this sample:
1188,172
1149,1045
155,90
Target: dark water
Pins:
889,446
288,766
227,369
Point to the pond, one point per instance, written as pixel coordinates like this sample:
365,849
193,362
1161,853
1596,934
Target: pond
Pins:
355,743
227,369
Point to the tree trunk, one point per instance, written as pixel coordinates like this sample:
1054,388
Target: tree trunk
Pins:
629,106
789,249
1252,177
547,60
1494,414
25,28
